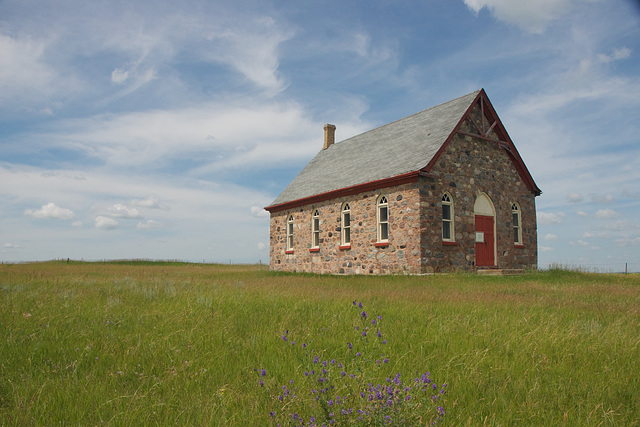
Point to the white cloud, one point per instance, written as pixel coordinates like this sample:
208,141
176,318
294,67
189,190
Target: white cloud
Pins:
532,16
550,218
119,76
584,244
227,134
152,201
628,241
258,211
51,210
582,214
261,246
252,50
22,68
10,246
575,197
602,198
545,249
606,214
122,211
617,54
149,224
106,223
550,236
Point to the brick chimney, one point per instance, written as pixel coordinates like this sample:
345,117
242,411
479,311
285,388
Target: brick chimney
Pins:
329,136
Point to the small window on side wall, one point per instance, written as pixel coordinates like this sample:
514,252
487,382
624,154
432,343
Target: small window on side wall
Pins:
315,229
290,233
345,236
447,218
517,224
383,219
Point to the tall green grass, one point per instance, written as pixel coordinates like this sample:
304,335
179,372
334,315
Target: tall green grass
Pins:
172,343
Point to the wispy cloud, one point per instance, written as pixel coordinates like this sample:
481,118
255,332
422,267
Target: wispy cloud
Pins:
528,15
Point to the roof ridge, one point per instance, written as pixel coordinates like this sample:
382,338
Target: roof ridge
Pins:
474,93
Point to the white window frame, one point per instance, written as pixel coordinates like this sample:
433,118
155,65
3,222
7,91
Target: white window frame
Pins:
448,223
290,233
345,225
516,218
382,220
315,229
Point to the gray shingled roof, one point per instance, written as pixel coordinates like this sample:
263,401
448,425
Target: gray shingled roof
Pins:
405,145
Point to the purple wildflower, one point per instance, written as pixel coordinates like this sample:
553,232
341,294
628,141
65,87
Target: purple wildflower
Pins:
359,305
363,314
350,345
263,372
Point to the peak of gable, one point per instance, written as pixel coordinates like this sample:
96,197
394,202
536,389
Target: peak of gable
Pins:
407,145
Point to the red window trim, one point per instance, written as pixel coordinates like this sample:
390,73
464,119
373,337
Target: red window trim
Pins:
519,246
381,244
314,250
448,243
288,251
344,247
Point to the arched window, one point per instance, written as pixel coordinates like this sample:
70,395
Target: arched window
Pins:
448,234
315,229
345,220
517,224
383,219
290,233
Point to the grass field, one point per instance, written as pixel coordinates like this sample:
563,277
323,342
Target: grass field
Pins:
139,343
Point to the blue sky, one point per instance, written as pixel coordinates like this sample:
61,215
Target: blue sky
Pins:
160,129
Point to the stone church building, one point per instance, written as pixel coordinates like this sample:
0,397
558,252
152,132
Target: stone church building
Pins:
441,190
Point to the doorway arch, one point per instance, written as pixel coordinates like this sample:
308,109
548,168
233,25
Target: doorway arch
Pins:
485,226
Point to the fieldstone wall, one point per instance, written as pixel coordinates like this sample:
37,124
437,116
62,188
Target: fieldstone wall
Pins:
401,255
468,167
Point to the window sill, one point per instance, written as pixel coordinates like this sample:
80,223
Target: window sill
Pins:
448,243
381,244
289,252
518,246
314,250
344,247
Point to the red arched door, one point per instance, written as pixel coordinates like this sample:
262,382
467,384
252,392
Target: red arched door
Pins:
485,241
